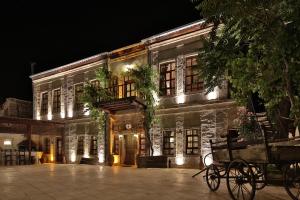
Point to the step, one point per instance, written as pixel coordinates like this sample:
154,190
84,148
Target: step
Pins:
89,161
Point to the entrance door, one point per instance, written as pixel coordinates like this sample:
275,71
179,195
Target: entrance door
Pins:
59,150
130,149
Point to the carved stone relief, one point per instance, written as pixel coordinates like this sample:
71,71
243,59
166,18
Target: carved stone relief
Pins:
180,69
208,130
179,135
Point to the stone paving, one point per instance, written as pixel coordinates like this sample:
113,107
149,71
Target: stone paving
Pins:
87,182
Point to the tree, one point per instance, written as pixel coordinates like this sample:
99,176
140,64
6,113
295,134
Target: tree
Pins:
255,45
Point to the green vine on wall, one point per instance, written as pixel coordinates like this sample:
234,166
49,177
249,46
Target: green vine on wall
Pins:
143,77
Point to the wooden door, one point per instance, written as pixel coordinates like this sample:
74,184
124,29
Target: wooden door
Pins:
58,150
130,149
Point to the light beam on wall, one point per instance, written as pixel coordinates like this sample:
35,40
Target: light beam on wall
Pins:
49,116
7,142
213,94
180,99
73,156
179,160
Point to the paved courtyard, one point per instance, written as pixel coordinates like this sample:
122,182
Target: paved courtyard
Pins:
87,182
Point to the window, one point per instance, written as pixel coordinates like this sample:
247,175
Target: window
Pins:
167,79
192,142
44,108
169,143
113,86
47,145
192,80
80,145
94,149
78,96
95,83
56,101
142,144
129,87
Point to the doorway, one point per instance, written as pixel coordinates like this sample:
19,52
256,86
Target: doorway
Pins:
129,149
59,157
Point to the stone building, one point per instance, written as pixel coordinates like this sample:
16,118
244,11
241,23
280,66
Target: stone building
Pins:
187,116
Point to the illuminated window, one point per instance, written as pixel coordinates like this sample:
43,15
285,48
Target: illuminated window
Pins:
78,96
113,87
142,144
47,145
94,148
129,87
192,142
192,80
169,142
7,142
167,79
56,101
95,83
44,107
80,145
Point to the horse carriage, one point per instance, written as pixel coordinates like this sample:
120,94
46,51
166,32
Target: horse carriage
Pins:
250,166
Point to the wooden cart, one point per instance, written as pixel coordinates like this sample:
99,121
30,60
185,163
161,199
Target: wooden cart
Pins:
248,167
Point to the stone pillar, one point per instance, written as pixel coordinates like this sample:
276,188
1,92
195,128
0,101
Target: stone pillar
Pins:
179,139
157,139
49,115
70,96
63,97
36,102
208,130
71,143
101,143
87,141
180,79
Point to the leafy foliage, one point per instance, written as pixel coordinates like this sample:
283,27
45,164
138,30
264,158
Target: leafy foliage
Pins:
255,45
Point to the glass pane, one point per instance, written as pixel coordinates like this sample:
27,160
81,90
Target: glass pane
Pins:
173,133
195,144
195,138
173,74
188,62
172,145
190,145
168,67
188,81
194,62
168,84
173,66
196,151
168,76
189,151
172,139
168,92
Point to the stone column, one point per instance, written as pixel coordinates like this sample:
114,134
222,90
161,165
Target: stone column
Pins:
36,102
180,79
208,130
179,139
87,140
101,143
157,139
70,96
63,97
71,142
49,115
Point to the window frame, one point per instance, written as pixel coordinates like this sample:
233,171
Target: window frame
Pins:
78,104
167,140
192,87
80,145
56,103
44,106
163,89
192,141
94,145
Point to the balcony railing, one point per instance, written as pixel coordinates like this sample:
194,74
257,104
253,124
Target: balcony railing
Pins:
123,91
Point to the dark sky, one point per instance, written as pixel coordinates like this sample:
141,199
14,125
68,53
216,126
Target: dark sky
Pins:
52,33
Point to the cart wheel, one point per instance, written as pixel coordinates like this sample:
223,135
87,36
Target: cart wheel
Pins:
292,180
259,172
212,177
240,181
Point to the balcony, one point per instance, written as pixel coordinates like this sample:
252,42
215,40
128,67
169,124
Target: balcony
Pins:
125,97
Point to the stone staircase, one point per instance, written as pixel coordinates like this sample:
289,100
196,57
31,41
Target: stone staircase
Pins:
266,125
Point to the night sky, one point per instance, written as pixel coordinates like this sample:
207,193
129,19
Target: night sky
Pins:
52,34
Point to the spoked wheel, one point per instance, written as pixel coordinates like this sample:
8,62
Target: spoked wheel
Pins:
240,181
259,172
292,180
212,177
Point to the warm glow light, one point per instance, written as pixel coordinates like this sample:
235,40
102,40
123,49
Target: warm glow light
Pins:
73,156
128,67
62,114
101,157
70,111
179,160
86,152
38,116
7,142
49,116
120,136
180,99
208,159
116,159
51,152
136,135
214,94
86,110
156,152
156,98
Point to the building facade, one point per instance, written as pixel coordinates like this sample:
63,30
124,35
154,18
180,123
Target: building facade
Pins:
187,117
